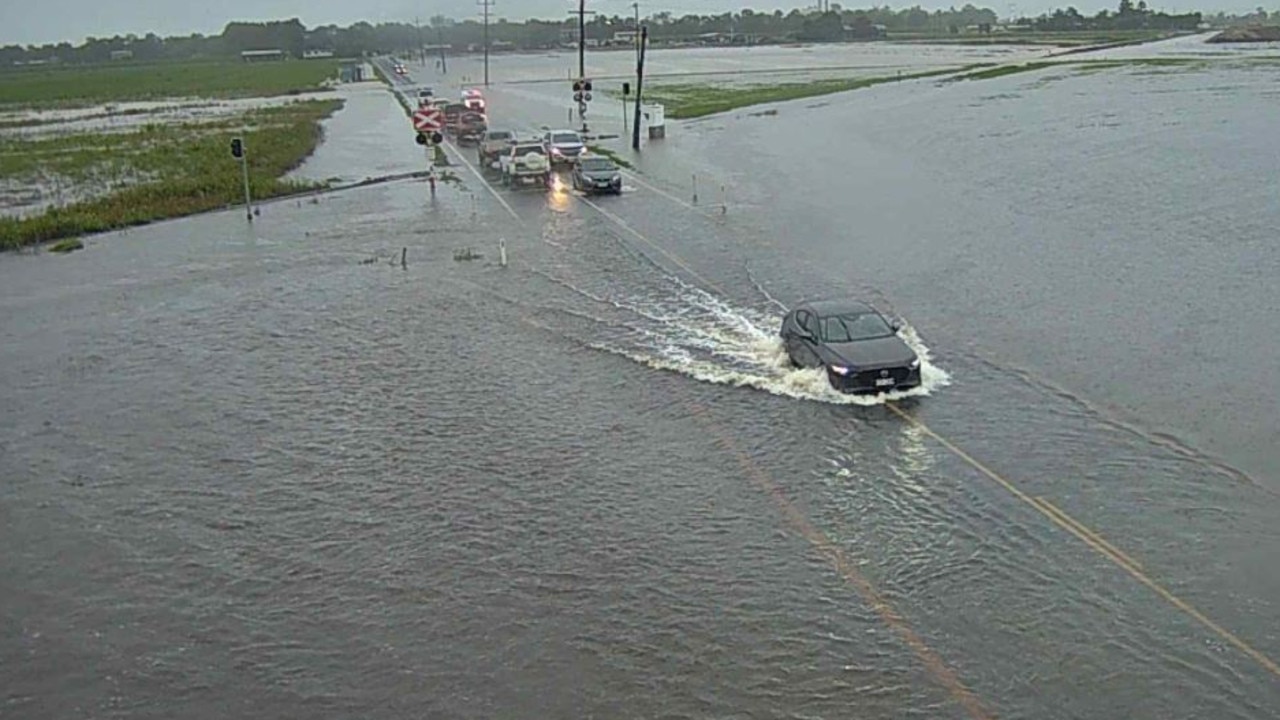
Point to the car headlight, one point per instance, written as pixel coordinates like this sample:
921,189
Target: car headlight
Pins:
840,369
915,364
555,151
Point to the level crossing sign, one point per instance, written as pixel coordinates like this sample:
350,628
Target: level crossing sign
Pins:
428,119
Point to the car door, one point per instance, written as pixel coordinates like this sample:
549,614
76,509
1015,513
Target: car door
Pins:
791,330
807,340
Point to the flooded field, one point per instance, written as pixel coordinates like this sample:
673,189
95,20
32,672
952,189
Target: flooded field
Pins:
267,469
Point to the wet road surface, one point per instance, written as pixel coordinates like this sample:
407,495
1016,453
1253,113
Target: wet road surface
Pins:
249,474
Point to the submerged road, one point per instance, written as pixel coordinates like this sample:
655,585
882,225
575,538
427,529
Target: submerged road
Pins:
248,473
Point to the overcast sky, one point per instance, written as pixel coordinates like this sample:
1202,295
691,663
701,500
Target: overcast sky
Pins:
40,21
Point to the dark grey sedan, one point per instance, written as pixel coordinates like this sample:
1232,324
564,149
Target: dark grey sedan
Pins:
595,173
860,350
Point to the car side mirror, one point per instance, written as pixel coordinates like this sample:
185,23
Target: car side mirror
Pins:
895,325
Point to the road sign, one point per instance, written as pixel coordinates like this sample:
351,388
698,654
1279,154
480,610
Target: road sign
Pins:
428,119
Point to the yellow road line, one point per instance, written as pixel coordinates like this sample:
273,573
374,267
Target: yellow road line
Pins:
1094,541
1112,550
848,570
667,254
1045,508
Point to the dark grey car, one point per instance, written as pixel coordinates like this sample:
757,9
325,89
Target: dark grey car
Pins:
860,350
595,173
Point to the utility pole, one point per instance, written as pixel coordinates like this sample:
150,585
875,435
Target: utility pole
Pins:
635,126
422,54
582,13
444,62
636,6
486,4
582,38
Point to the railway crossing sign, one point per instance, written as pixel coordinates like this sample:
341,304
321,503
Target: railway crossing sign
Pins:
428,119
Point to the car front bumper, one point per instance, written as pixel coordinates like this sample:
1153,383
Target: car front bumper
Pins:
602,185
876,380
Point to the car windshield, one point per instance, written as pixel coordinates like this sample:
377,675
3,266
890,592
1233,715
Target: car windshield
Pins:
566,138
498,135
851,327
597,164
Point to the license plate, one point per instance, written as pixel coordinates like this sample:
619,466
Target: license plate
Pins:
884,382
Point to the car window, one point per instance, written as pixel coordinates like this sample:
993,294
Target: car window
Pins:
851,327
805,321
527,149
498,135
566,138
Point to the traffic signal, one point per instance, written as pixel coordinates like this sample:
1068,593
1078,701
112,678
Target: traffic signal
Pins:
237,148
626,88
420,139
434,138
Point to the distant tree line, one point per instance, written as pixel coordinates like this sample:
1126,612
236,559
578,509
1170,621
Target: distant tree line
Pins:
1127,17
747,26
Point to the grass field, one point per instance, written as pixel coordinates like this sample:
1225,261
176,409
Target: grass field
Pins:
65,87
161,171
685,101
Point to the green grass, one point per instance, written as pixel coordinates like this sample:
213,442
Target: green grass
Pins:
685,101
1002,70
185,169
65,87
606,152
66,245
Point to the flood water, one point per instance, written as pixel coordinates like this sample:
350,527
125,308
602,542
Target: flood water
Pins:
269,471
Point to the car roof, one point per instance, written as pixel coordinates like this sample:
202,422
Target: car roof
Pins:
824,308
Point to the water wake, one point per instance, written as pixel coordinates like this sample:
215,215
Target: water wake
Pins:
680,328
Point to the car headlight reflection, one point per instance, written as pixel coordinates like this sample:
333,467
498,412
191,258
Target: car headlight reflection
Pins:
840,369
915,364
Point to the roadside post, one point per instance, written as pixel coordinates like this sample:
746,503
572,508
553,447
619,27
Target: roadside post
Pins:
237,151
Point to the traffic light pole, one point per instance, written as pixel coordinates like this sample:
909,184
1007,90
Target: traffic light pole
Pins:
238,152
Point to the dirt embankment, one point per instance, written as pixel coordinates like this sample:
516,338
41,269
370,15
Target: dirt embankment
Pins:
1253,33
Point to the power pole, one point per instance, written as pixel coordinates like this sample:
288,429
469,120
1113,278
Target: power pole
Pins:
582,14
444,62
635,126
582,38
486,4
636,6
